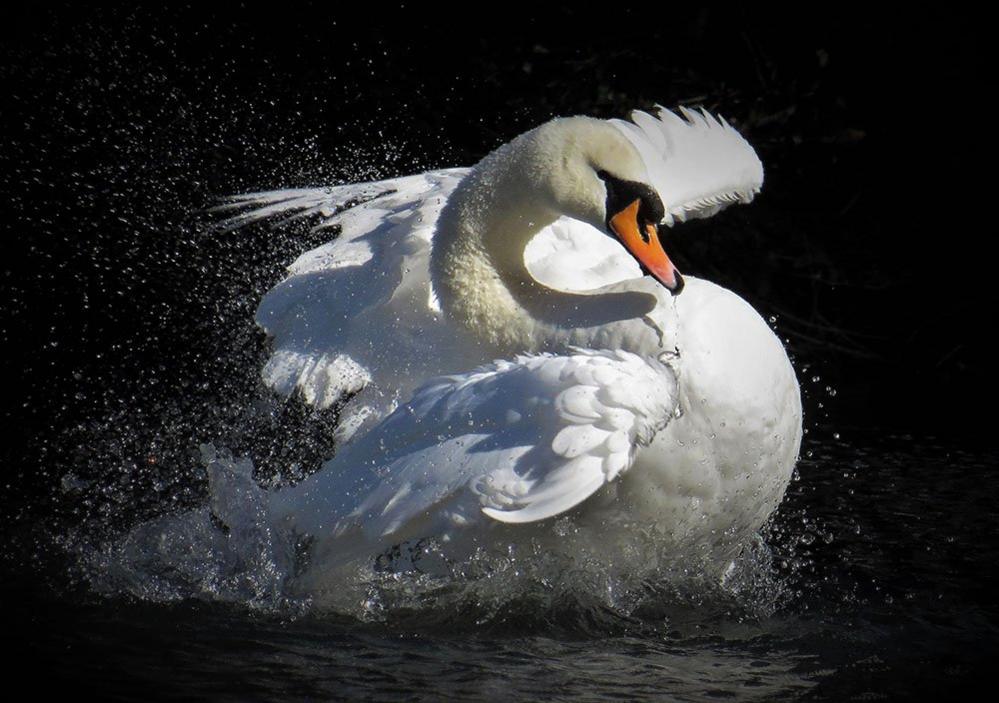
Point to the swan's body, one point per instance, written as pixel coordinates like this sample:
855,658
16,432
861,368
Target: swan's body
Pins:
613,399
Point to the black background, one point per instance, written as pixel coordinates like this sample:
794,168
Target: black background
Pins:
870,242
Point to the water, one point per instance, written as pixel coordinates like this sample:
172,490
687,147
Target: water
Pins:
877,584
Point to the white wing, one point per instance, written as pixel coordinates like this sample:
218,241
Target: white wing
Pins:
698,162
518,440
343,304
359,309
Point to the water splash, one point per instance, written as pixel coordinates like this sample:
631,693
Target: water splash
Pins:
228,551
225,551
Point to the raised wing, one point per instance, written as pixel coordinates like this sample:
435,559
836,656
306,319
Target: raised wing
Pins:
358,311
519,441
344,306
697,162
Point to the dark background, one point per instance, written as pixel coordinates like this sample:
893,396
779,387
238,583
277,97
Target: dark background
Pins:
126,324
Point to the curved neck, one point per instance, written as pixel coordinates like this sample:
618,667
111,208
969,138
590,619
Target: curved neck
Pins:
482,281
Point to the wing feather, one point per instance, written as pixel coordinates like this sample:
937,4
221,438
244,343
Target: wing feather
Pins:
697,162
330,316
518,441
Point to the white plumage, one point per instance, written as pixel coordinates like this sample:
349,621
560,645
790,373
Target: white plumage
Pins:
611,398
520,440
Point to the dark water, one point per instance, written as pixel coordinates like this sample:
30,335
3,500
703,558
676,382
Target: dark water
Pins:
880,585
128,340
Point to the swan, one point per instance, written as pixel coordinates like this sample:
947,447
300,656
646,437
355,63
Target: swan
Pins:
510,346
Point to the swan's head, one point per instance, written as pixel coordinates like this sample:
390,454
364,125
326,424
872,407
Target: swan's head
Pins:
631,180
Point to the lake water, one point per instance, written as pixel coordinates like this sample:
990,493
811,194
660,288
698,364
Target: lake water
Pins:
877,581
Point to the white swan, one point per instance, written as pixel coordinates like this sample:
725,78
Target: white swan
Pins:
636,409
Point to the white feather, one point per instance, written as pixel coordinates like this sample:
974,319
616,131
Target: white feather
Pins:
694,162
455,443
524,439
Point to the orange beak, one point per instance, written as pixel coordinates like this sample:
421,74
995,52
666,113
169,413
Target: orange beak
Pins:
647,248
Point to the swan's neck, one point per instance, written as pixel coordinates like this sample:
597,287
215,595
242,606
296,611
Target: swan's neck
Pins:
482,281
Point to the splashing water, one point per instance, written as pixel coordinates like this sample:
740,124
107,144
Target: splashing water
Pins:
228,551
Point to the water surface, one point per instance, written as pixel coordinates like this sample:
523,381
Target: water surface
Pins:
877,584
